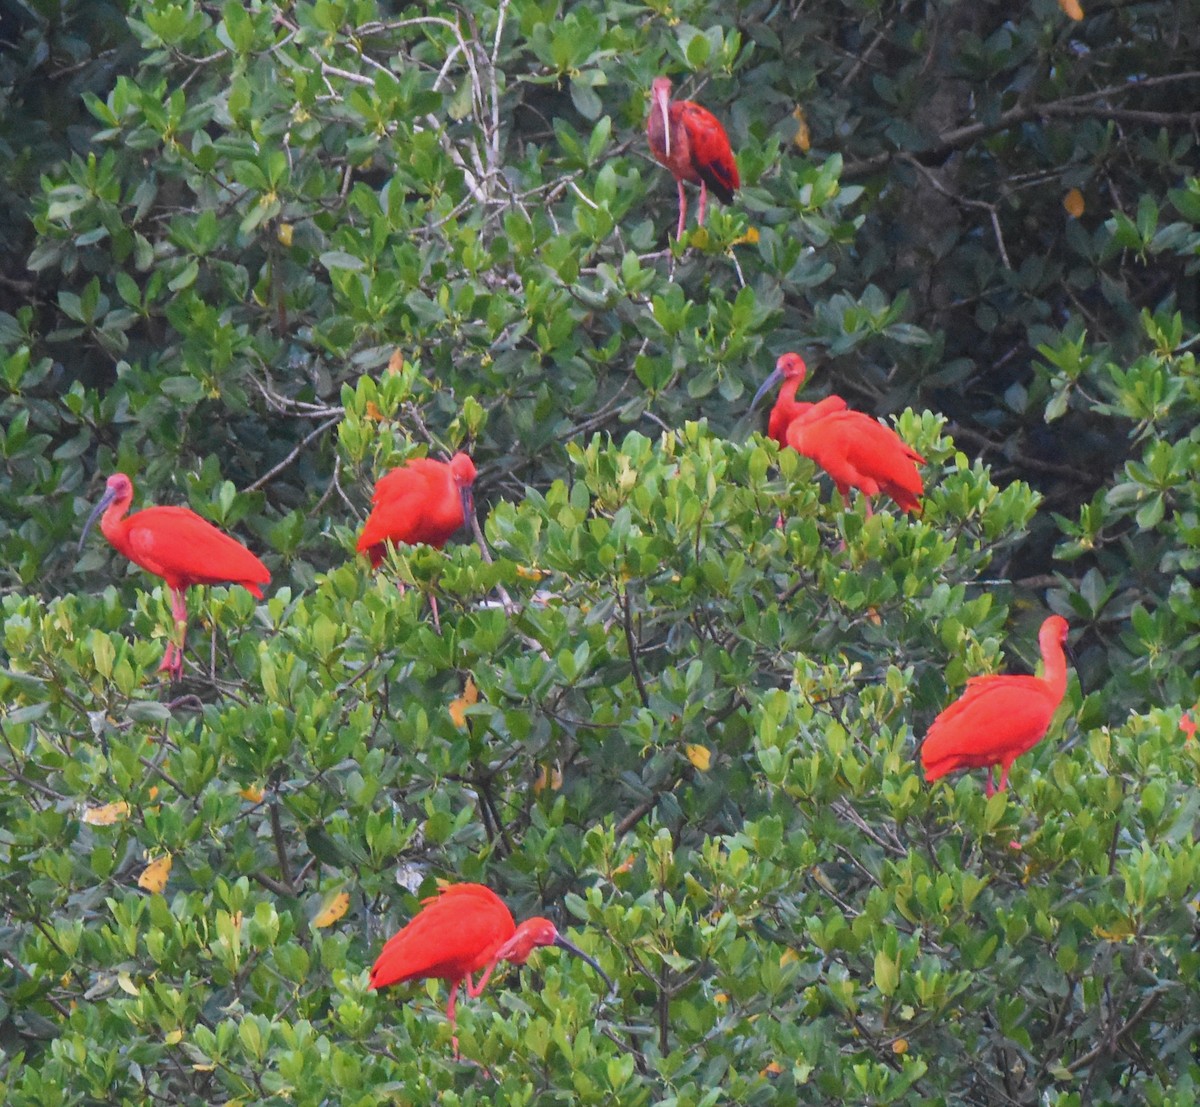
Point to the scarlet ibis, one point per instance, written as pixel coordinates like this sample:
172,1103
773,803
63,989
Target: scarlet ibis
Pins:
790,368
692,144
176,544
462,929
998,718
422,500
1188,725
854,449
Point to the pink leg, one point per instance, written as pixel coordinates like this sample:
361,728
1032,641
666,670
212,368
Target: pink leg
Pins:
1004,775
172,661
682,210
703,201
474,990
450,1014
437,625
168,661
989,785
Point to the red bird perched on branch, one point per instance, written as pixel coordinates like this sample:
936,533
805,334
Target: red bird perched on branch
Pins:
998,718
854,449
459,931
422,500
176,544
693,145
790,368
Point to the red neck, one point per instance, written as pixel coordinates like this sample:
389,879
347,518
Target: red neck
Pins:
785,410
1054,663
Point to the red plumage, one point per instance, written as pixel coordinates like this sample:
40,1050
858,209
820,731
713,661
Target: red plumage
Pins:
422,500
176,544
455,933
1000,717
690,141
463,929
854,449
791,368
859,452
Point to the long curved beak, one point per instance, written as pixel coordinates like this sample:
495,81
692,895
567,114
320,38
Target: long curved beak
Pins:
97,511
661,103
562,943
766,386
467,495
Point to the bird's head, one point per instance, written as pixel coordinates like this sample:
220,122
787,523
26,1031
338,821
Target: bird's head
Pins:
1053,634
660,101
789,367
536,932
462,469
118,489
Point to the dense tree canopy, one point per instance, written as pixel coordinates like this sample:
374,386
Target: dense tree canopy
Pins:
256,254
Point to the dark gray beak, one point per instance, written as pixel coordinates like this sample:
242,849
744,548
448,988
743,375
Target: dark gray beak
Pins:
766,386
562,943
97,511
467,496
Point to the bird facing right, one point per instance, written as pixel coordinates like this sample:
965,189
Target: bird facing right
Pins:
464,929
423,500
998,717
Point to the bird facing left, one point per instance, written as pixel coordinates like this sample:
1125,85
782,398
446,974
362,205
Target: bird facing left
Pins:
176,544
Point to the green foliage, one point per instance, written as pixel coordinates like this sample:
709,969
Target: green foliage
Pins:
276,249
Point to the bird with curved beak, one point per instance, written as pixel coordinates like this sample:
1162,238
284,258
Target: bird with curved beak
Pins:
690,141
457,932
176,544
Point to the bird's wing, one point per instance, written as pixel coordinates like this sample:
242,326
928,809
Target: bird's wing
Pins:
453,934
414,474
711,154
996,718
397,506
184,549
810,413
860,452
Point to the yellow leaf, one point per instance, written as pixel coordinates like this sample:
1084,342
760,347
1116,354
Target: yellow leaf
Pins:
332,909
204,1068
803,137
284,234
174,1038
721,997
900,1045
154,876
789,955
1073,202
126,984
1071,9
106,815
528,573
152,792
625,865
252,794
395,362
547,778
458,707
773,1069
699,756
373,414
748,239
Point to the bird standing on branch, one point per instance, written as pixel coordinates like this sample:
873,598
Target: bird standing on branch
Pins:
692,144
999,717
176,544
856,450
463,929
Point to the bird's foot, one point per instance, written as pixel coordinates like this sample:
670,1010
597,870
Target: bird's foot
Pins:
172,661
